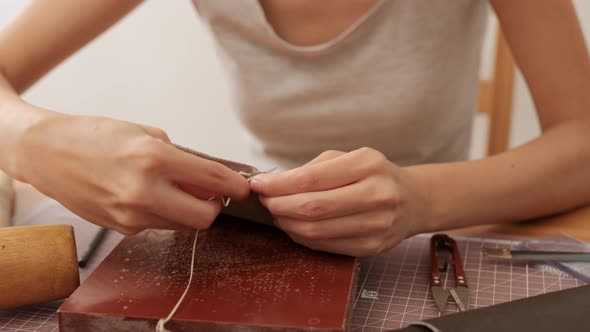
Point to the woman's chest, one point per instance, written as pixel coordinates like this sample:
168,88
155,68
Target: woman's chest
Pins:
311,22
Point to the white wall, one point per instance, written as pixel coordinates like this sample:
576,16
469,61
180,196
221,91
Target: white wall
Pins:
159,67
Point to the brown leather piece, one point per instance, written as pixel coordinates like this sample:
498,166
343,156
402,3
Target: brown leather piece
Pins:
248,277
249,209
565,310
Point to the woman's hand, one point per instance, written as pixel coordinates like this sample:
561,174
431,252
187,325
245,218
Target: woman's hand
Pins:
355,203
122,175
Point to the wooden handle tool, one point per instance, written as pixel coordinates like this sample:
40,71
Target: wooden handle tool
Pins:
37,264
6,199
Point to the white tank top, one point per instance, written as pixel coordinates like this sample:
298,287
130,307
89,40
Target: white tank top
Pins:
402,79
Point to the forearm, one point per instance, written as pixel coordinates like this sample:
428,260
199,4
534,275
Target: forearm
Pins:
15,116
43,35
545,176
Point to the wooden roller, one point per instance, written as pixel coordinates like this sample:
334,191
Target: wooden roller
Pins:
37,264
6,199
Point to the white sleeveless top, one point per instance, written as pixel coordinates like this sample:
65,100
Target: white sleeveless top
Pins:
403,80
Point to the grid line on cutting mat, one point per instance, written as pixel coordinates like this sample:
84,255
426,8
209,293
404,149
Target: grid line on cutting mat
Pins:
408,299
41,318
394,287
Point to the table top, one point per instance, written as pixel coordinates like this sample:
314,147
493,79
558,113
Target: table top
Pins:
403,301
575,223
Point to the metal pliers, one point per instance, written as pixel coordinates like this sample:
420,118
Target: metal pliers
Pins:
440,293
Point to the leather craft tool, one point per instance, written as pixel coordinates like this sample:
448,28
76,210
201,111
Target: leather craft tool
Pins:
441,293
507,254
96,241
37,264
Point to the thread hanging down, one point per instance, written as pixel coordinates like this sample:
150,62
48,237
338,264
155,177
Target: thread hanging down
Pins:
249,176
160,327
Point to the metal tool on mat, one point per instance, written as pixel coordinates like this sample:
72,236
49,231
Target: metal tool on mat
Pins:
535,256
441,293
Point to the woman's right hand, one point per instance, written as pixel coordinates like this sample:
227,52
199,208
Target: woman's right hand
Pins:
121,175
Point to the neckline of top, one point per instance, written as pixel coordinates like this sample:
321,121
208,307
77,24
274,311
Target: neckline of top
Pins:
320,46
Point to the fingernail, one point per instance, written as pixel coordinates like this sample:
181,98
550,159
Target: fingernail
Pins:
257,182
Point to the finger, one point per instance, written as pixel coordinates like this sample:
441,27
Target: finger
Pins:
358,225
196,191
131,221
174,204
153,221
210,176
354,246
358,197
126,221
337,172
156,132
326,155
137,222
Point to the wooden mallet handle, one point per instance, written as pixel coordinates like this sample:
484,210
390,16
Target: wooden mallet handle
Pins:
37,264
6,199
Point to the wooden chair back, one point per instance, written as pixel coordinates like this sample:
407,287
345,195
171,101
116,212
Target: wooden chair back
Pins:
495,97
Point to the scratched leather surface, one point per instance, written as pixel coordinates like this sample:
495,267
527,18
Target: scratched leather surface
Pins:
248,277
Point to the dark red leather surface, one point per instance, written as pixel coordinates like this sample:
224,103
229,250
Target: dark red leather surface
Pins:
248,277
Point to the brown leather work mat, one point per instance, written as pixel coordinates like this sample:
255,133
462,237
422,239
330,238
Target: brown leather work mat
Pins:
245,275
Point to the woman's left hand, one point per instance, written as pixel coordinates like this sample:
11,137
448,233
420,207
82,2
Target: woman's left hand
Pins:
356,203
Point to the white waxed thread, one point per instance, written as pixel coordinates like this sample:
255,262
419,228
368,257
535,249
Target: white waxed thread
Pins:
249,176
225,201
160,327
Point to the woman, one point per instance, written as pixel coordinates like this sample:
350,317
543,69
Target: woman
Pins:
378,94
